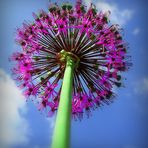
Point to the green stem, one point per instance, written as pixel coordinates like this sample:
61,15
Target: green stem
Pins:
61,135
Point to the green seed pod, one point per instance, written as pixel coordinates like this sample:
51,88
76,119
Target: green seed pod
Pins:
64,6
69,7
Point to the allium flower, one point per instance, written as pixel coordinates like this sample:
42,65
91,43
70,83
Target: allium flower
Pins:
85,35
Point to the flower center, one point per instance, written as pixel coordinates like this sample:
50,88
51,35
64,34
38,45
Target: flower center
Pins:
63,56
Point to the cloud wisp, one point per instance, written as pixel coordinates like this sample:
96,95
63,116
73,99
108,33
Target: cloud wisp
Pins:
118,16
136,31
14,127
141,86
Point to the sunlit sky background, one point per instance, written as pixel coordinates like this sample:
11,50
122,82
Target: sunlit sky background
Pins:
122,124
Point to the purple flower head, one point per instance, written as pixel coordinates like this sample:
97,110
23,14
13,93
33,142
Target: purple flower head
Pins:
86,35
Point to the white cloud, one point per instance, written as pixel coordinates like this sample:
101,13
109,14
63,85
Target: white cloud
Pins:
51,120
136,31
14,128
118,16
141,86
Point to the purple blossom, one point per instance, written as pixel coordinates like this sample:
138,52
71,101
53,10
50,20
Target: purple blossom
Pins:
85,34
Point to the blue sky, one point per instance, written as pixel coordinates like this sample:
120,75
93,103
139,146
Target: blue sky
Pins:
123,124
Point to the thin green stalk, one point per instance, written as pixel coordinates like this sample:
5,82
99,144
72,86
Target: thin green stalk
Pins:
61,135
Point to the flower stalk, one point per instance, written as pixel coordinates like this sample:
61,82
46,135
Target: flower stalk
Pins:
61,136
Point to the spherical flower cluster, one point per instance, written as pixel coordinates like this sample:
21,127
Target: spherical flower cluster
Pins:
85,34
